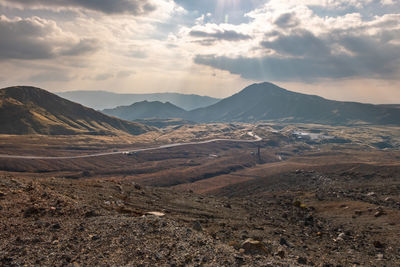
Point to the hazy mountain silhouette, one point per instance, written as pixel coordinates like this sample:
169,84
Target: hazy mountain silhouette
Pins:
266,101
30,110
106,100
390,105
145,110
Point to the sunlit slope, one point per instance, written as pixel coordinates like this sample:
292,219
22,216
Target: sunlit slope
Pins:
30,110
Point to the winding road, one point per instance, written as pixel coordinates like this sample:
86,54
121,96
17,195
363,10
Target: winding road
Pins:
256,139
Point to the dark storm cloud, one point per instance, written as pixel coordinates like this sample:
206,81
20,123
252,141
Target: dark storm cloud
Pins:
205,42
21,40
298,43
275,68
51,76
226,35
134,7
124,74
83,47
368,56
137,54
31,39
287,20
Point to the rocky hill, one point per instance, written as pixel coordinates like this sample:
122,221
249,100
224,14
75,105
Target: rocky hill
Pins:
30,110
266,101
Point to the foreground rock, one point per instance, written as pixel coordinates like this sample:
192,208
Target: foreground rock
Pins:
61,222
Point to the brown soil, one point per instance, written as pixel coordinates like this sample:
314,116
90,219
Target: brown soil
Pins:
318,204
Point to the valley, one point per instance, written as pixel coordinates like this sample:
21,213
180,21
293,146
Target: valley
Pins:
99,190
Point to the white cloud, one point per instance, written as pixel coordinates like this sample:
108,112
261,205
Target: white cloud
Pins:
388,2
159,46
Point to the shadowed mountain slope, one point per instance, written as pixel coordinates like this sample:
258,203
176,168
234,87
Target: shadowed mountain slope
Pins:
266,101
30,110
107,100
145,109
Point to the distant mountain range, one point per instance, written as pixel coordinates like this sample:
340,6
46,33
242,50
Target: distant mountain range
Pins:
268,102
100,100
162,123
30,110
145,109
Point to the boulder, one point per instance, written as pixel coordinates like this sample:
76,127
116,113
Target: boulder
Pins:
252,246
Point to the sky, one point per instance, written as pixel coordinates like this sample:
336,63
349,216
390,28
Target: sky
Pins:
339,49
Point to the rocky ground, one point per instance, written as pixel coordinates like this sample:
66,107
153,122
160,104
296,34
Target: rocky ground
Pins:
66,222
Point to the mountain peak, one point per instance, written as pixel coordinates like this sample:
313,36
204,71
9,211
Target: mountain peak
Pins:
269,102
263,87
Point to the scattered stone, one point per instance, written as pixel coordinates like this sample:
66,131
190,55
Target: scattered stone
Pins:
379,209
371,194
56,226
90,213
301,260
94,237
378,244
2,194
29,212
197,226
309,220
239,259
358,212
379,213
234,244
281,254
283,242
379,256
296,203
158,256
340,237
137,186
389,199
155,213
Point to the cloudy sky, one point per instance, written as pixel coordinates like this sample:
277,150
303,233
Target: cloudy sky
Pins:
340,49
